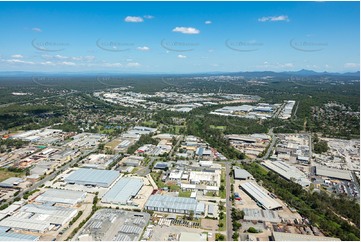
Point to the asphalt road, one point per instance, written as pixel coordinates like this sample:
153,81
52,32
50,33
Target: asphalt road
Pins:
146,170
279,111
180,138
50,177
270,148
228,203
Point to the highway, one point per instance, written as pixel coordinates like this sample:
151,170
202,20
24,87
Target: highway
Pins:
277,113
273,142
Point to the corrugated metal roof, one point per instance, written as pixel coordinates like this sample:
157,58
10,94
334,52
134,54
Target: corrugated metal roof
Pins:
10,182
168,202
259,214
61,196
257,193
10,236
85,176
211,209
278,236
332,172
38,217
3,229
241,173
123,190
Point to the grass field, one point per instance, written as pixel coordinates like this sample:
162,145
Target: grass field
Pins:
107,131
4,174
184,194
217,127
149,123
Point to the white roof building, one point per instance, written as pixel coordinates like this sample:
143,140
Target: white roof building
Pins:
53,196
288,172
254,191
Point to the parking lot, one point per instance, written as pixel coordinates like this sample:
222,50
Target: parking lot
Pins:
246,201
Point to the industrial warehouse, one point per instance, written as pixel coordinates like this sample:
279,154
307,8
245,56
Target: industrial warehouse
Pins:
287,171
333,173
39,218
11,236
92,177
123,191
261,215
62,197
174,204
255,192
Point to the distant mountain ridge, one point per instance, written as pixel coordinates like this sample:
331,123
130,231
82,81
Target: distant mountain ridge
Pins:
302,72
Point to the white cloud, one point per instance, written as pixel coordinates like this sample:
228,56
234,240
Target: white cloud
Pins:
182,56
74,58
113,65
36,30
17,56
133,64
60,57
208,22
143,48
274,18
67,63
133,19
351,65
148,16
287,65
277,65
15,61
186,30
83,58
47,63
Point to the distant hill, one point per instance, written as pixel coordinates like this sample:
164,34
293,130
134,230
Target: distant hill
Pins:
247,74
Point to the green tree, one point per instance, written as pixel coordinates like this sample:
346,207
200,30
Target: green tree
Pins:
220,237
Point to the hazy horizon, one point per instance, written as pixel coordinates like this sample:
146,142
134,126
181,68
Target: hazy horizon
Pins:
179,37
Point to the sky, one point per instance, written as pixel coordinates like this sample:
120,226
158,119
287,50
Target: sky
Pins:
179,37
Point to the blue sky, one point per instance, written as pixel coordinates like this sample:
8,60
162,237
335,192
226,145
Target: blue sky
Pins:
179,37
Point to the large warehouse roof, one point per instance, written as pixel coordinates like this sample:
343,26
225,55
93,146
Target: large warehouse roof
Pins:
287,171
53,196
168,202
278,236
25,224
10,182
241,173
38,217
10,236
123,190
257,193
83,176
261,215
333,173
